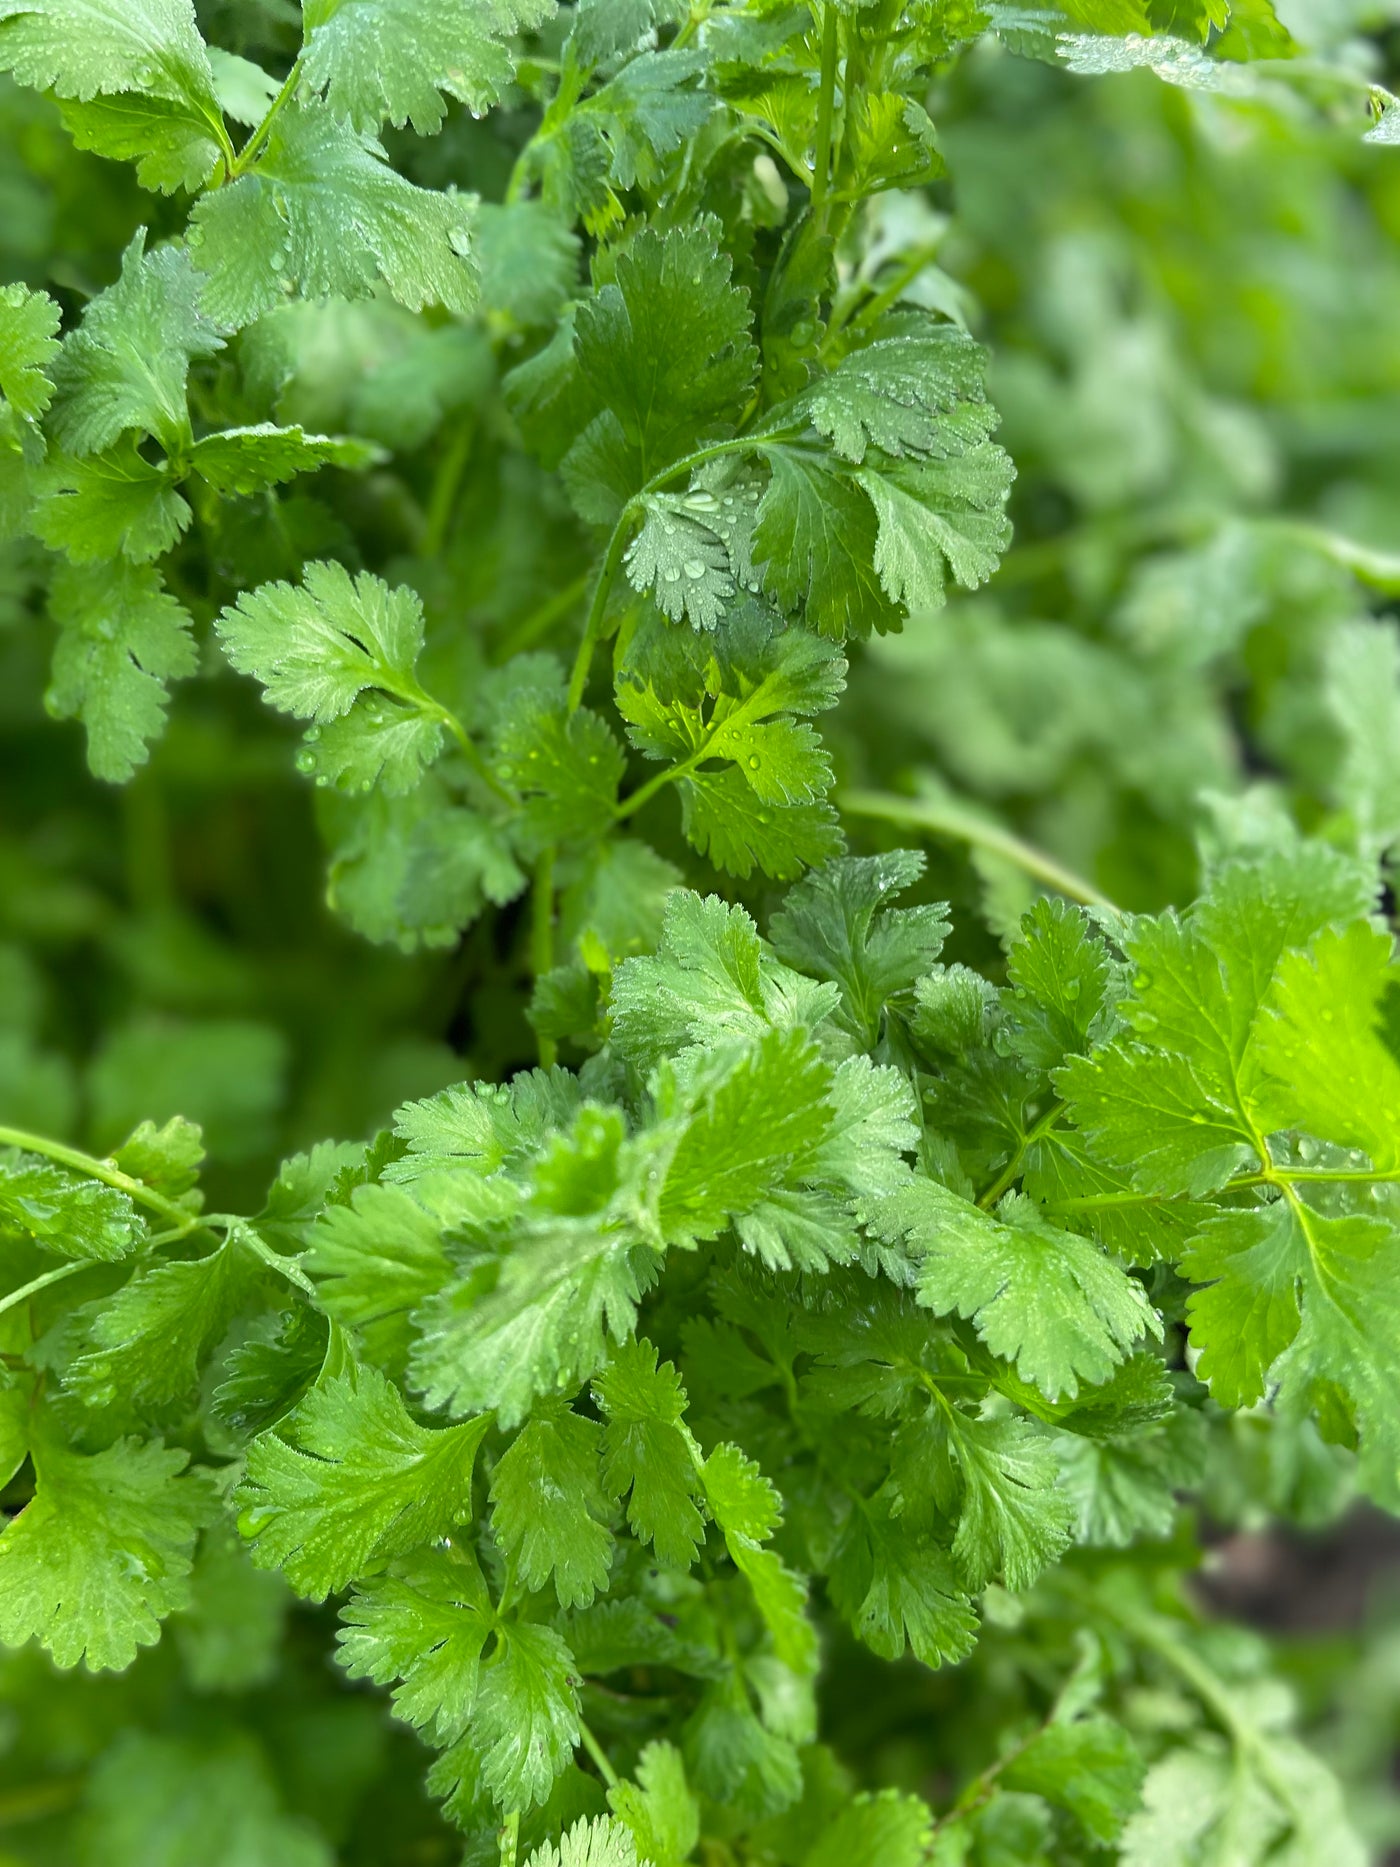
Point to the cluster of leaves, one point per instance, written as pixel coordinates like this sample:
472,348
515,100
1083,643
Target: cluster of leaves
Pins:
843,1302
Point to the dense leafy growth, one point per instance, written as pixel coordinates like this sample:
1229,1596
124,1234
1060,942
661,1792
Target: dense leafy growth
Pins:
748,1389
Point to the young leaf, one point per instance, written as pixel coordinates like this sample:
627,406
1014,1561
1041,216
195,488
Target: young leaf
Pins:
65,1213
347,1477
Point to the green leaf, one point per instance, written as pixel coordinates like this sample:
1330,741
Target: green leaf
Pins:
374,1261
659,1808
665,353
148,1343
836,925
342,651
525,1720
537,1320
1049,1301
93,1564
322,213
126,365
648,1456
748,1510
247,460
64,1212
1288,1281
887,1827
754,1117
348,1477
567,765
1014,1521
398,59
601,1842
1319,1046
113,504
421,1629
122,639
1089,1766
29,324
550,1515
88,48
710,982
897,1588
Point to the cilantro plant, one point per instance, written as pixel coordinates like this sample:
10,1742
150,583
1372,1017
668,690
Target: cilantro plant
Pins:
755,1389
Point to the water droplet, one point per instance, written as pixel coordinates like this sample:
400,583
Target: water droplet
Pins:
306,761
1071,988
670,574
754,761
694,569
312,734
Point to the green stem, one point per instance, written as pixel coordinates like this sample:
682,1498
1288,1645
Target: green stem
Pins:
447,484
252,149
105,1171
542,937
32,1289
540,620
602,590
644,793
1012,1169
826,104
510,1839
949,820
597,1753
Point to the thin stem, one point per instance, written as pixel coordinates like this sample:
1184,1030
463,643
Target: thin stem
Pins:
32,1289
284,1267
447,484
540,620
542,937
252,149
826,104
644,793
602,590
1012,1169
597,1753
104,1170
948,820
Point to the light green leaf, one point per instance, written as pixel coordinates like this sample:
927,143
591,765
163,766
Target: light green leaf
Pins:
398,59
122,639
322,213
93,1564
550,1515
348,1477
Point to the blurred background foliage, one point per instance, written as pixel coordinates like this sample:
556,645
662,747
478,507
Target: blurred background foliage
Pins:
1193,305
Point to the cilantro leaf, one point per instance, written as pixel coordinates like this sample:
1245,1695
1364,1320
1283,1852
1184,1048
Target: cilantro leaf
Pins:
421,1629
147,1344
374,1260
601,1842
323,213
126,365
28,346
1047,1300
342,652
85,48
550,1513
835,925
348,1477
398,59
92,1565
113,504
122,639
64,1212
647,1454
